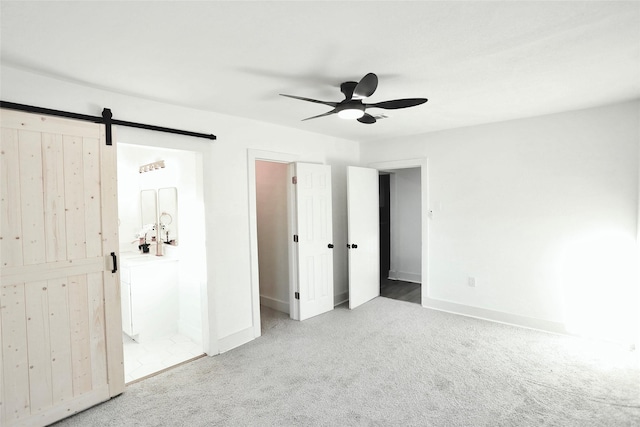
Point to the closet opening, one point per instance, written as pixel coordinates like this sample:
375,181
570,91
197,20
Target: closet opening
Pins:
271,179
401,234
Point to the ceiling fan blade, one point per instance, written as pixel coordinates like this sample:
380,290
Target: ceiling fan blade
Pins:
330,104
347,89
398,103
320,115
366,86
367,118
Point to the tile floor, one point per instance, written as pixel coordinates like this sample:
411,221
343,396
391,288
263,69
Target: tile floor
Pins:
142,359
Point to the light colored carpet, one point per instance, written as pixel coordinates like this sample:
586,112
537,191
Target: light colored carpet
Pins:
389,363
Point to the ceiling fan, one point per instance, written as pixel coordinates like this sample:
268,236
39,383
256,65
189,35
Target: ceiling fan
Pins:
352,107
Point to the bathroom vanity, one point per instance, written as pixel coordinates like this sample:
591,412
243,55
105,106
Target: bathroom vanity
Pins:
149,294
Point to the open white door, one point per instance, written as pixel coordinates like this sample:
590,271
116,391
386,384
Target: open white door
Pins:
60,324
363,235
312,236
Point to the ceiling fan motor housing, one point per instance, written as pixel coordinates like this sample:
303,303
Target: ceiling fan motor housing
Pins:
353,104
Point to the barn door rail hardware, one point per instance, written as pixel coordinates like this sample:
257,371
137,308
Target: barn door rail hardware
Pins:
106,119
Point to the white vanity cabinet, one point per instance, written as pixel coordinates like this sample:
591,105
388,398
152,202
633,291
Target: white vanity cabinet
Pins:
149,295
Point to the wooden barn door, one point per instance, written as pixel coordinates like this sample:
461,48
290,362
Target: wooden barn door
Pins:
60,324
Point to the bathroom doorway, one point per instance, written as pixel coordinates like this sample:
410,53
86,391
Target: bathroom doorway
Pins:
400,234
162,257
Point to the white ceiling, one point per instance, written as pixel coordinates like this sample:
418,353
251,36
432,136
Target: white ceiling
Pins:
477,62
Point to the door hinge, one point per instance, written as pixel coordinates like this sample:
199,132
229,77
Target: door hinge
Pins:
295,238
294,179
297,295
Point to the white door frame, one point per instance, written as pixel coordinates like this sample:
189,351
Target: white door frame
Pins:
421,163
252,156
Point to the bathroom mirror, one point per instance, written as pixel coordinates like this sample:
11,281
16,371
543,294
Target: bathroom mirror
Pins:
149,207
168,214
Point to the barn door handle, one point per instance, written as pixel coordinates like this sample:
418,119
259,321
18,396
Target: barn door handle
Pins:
115,262
330,245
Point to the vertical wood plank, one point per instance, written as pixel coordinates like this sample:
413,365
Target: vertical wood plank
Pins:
80,343
39,349
92,205
74,197
3,397
96,329
61,364
10,203
54,206
16,370
113,316
33,244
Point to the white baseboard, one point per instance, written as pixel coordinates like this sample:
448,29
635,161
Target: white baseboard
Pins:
495,316
405,277
235,340
512,319
340,298
275,304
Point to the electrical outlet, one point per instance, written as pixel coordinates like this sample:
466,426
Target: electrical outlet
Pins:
471,281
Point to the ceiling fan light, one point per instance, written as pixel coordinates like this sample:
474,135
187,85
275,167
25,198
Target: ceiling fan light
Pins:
351,113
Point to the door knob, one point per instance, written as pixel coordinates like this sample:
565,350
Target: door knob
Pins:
354,246
330,245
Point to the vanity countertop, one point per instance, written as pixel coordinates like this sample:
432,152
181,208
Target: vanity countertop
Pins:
131,259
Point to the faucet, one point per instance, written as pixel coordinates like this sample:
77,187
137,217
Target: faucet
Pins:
158,240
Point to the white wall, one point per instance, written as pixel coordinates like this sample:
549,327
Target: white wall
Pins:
542,212
225,182
530,208
273,237
406,223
